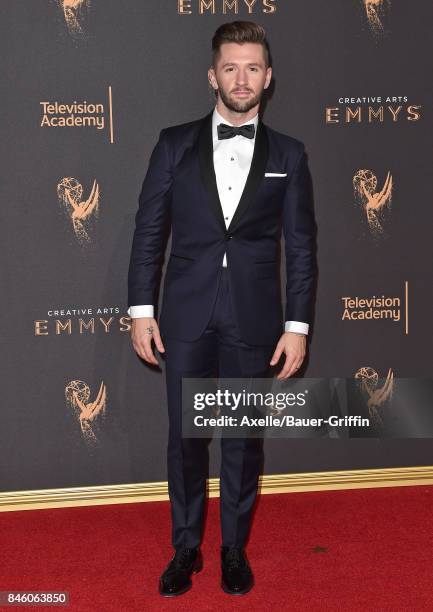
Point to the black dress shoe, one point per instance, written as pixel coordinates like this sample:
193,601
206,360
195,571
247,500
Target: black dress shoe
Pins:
176,578
237,577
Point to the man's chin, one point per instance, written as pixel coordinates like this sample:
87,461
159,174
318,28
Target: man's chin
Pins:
242,106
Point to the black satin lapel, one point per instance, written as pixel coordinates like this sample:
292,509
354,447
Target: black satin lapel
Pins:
205,151
256,173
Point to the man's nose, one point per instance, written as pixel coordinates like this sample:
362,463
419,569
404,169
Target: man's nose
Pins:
241,77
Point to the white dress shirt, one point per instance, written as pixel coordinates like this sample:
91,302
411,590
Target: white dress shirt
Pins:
232,161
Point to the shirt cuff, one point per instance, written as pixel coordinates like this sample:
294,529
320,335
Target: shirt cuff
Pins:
136,312
297,327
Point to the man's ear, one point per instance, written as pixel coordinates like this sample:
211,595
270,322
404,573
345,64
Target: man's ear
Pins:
268,77
211,78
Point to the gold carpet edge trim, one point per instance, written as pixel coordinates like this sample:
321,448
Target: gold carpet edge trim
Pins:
268,484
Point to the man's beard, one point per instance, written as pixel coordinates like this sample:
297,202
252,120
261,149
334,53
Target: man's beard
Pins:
239,106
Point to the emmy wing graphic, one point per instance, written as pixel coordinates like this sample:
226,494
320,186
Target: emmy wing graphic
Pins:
377,396
70,192
375,204
73,13
375,11
88,414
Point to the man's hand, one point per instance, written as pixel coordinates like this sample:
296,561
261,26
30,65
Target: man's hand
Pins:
294,347
142,331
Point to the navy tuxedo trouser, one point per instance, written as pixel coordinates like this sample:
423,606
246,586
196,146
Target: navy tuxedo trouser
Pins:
219,350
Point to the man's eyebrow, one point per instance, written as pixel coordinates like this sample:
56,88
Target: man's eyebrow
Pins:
234,64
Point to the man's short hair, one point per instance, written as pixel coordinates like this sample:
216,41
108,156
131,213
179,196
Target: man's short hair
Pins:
240,32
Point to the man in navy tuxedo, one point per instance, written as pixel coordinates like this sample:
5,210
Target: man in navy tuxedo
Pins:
226,185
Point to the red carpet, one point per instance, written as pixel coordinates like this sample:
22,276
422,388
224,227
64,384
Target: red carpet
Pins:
375,553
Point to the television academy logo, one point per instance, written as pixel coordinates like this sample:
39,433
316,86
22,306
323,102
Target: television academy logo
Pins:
74,13
76,114
375,203
376,12
88,414
394,308
376,396
373,307
79,211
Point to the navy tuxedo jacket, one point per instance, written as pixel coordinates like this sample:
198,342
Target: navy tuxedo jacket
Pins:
180,192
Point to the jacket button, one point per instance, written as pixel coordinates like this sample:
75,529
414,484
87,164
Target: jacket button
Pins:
229,237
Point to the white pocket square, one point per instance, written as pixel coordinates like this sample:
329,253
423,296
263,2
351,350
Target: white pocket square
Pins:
275,174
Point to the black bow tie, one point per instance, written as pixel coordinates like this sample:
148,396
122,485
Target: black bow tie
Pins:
229,131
